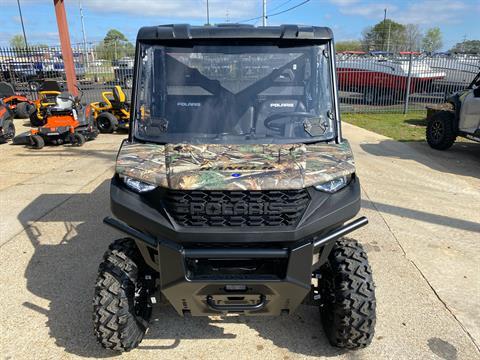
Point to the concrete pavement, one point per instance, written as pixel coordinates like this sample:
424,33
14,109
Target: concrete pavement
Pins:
422,240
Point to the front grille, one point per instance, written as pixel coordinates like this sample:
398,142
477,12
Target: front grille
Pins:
237,208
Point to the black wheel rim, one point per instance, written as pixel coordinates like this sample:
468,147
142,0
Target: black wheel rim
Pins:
437,131
103,123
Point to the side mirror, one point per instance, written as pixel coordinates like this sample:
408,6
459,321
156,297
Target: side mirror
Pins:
476,92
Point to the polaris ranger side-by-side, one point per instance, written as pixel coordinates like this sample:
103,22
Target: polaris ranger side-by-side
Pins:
458,116
235,187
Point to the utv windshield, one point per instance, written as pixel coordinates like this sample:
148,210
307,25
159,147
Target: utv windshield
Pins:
234,94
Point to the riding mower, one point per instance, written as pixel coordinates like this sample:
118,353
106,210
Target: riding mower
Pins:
458,116
7,128
113,113
47,94
20,106
66,122
235,188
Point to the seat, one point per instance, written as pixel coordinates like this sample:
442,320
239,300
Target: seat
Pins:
64,104
119,99
50,86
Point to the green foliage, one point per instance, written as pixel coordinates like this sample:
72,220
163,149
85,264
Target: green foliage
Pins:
385,35
17,41
467,47
114,35
432,41
349,45
114,46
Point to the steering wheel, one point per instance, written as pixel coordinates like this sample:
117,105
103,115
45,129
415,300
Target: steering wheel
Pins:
269,121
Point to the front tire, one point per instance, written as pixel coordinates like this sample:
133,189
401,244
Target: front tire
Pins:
121,304
78,139
347,289
440,131
36,142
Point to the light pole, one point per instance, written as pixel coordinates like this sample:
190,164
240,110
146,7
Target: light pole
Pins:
85,52
384,29
208,14
23,26
264,16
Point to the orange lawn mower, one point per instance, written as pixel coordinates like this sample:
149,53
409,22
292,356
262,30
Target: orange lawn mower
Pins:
47,95
66,122
20,106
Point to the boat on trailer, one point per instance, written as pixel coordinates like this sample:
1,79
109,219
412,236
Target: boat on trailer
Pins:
383,80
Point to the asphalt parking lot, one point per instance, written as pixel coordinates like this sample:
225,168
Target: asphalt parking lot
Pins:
423,241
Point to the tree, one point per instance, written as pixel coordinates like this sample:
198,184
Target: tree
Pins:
387,35
432,41
114,46
348,45
413,37
17,41
114,35
467,47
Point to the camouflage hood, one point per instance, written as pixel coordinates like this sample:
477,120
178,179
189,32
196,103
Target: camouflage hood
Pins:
234,167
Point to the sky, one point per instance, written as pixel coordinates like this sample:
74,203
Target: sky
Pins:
457,19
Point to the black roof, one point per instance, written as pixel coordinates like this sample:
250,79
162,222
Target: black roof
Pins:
233,31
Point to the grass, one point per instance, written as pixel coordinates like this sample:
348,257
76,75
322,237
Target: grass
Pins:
101,76
409,127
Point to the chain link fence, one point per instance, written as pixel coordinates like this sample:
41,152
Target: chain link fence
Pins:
368,82
97,69
401,82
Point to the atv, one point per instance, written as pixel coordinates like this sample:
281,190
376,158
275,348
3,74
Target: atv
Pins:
20,105
113,113
47,96
7,128
458,116
66,122
235,188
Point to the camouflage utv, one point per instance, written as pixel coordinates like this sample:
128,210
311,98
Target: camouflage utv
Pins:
235,188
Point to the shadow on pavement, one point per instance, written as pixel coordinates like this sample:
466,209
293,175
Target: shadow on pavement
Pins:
69,243
463,158
423,216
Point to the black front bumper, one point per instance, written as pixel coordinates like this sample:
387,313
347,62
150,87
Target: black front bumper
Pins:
195,283
259,271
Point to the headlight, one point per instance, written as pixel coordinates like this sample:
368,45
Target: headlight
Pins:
137,185
334,185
